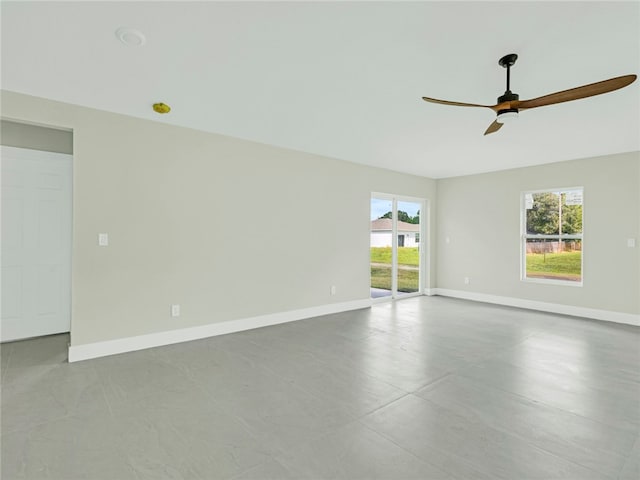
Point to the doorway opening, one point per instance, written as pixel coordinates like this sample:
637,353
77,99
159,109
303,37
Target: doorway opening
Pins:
396,246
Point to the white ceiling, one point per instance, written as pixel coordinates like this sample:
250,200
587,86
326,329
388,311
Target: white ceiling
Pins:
344,79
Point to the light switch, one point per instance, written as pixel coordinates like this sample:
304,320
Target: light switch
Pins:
631,242
103,239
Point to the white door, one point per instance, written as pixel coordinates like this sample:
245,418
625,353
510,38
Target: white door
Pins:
36,243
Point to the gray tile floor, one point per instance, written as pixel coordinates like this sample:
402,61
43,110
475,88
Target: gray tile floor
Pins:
426,388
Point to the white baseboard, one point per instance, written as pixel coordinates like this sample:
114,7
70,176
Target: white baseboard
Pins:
606,315
141,342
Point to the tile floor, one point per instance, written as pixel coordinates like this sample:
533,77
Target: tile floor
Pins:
425,388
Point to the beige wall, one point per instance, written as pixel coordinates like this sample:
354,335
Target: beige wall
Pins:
232,229
174,201
481,216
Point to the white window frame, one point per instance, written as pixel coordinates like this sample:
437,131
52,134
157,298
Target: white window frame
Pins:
524,237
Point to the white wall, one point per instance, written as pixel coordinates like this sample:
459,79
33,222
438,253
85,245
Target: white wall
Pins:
410,240
172,200
380,239
480,215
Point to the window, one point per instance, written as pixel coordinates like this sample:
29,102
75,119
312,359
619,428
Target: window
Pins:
552,236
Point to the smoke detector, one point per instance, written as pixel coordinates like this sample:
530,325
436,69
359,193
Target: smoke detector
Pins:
161,108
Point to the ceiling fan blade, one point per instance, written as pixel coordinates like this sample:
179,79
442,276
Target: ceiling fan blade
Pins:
494,127
577,93
457,104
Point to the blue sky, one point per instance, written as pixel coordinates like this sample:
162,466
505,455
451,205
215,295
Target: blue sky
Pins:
379,207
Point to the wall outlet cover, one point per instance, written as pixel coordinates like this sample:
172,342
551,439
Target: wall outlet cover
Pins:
103,239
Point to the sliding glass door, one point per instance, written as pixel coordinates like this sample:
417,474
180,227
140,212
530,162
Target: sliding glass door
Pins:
408,233
381,246
395,246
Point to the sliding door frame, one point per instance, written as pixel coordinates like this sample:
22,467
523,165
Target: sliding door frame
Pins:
424,247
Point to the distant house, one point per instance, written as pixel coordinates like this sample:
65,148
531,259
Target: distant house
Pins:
381,231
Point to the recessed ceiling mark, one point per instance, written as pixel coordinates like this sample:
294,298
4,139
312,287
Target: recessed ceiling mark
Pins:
131,37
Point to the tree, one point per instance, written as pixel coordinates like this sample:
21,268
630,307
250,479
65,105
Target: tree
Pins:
571,219
404,217
543,216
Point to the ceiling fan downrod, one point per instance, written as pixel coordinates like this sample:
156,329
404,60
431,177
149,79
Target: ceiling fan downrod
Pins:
507,62
507,113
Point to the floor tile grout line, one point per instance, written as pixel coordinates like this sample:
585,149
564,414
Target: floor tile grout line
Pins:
300,388
434,382
402,448
5,369
31,426
104,395
503,352
552,406
533,401
354,370
458,458
347,408
629,455
68,414
384,405
250,469
525,440
447,454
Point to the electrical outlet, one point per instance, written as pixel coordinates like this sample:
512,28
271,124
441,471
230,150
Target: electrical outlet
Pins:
467,280
103,239
175,310
333,289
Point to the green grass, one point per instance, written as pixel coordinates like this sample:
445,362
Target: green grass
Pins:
406,255
407,279
560,266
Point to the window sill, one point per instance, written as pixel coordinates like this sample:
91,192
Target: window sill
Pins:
547,281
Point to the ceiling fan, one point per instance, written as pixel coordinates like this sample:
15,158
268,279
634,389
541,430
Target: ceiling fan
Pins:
510,104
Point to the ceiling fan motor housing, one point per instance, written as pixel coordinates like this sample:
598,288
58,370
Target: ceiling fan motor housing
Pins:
508,97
